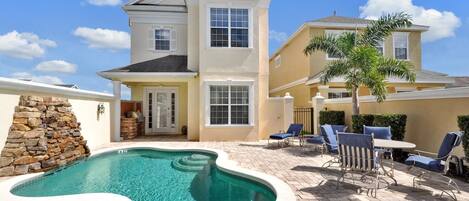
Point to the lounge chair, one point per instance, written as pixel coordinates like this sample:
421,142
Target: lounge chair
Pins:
440,164
294,130
357,154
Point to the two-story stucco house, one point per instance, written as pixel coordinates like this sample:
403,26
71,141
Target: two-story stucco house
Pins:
292,71
198,63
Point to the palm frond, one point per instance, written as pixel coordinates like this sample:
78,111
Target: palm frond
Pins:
377,85
383,27
334,69
397,68
346,42
326,43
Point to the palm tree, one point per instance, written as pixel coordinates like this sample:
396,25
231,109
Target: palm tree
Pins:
359,61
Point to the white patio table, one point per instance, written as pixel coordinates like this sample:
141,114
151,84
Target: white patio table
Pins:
392,144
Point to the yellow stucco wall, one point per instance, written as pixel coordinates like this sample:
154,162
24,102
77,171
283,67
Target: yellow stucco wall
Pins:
137,90
294,64
301,93
428,121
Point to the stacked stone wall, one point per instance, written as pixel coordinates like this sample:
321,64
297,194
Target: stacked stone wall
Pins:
44,135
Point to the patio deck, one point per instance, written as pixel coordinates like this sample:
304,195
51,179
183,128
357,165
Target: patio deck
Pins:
301,169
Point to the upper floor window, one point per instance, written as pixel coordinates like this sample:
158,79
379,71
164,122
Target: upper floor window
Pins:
380,47
401,45
162,39
229,27
336,34
277,61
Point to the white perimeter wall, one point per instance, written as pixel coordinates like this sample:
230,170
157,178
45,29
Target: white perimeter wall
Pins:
96,131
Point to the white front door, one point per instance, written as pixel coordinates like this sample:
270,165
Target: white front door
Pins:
160,110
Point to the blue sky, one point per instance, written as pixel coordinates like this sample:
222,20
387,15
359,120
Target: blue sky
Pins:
69,41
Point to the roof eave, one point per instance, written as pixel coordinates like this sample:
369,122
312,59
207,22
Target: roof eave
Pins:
352,25
136,75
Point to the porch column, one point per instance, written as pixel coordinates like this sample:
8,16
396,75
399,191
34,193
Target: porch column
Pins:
318,105
116,120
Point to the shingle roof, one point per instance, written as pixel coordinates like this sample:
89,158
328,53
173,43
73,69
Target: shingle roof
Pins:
340,19
171,63
459,82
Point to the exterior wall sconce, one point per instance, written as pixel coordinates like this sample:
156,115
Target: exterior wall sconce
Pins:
101,109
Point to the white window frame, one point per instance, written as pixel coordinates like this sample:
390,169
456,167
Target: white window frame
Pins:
172,38
169,38
337,90
278,61
229,7
336,33
394,45
250,84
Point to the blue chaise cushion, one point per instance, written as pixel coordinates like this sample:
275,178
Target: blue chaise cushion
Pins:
281,136
425,163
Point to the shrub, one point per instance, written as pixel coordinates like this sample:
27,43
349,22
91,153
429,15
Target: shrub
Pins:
332,117
396,121
362,119
463,123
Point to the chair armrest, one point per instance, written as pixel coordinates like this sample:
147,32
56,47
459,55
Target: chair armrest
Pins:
420,152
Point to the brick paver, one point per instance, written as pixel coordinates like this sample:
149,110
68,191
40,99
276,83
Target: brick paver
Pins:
301,169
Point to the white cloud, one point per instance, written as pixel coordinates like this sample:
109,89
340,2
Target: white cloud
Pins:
104,38
105,2
41,78
24,45
278,36
443,24
57,66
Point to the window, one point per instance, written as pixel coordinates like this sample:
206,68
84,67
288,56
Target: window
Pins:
380,47
401,45
334,95
162,39
229,105
277,61
336,34
229,27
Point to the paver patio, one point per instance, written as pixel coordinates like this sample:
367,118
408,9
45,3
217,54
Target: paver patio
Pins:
301,169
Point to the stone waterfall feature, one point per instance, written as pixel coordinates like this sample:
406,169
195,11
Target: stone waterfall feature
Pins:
44,135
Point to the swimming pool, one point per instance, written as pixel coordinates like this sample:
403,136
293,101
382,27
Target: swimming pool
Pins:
146,174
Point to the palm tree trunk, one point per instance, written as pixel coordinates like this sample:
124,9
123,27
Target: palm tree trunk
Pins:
355,101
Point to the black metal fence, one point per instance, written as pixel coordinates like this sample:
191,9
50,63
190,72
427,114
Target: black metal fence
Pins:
304,115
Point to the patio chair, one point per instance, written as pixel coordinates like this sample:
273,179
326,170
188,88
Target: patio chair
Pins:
383,133
328,138
294,130
357,154
440,164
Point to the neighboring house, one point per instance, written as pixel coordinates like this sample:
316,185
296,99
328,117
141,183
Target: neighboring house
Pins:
292,71
198,63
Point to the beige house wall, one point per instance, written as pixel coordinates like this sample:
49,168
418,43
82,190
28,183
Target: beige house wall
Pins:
137,90
428,120
301,93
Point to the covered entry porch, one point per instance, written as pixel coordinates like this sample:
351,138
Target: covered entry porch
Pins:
167,92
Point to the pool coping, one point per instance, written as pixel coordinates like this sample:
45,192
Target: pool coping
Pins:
281,189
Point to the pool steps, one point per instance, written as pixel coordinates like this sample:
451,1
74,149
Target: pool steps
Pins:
193,163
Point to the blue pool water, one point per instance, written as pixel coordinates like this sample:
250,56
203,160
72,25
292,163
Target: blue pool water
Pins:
144,175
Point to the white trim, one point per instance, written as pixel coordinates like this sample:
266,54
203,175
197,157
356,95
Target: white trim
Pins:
281,189
230,6
150,75
407,34
35,87
461,92
289,85
278,61
207,85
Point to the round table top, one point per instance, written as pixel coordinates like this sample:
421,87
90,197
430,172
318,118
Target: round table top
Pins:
393,144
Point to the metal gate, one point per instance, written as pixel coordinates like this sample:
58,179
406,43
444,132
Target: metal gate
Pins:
304,115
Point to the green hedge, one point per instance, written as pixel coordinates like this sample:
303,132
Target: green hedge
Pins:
332,117
396,121
463,123
362,119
